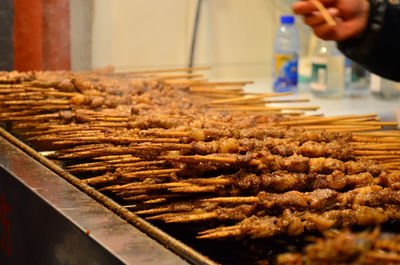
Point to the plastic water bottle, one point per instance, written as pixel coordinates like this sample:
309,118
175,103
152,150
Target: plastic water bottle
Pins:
286,53
357,80
328,77
384,88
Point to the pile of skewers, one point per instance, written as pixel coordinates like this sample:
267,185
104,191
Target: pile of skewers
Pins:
345,247
179,149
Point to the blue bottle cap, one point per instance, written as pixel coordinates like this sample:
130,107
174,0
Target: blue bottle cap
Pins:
287,19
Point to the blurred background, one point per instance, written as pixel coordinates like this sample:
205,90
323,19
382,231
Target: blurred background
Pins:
235,37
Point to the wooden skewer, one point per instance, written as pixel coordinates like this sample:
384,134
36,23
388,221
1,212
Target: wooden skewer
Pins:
91,153
11,86
392,167
186,69
24,93
155,201
251,98
37,102
198,158
225,228
390,258
69,143
61,94
144,186
83,148
391,160
128,168
207,158
369,123
155,210
119,140
169,77
287,100
290,113
343,128
69,134
8,91
133,165
215,88
165,145
367,139
34,117
355,144
221,234
377,147
100,179
188,82
52,107
108,119
144,197
121,187
49,154
72,128
324,12
190,217
113,157
379,134
239,200
317,120
366,152
159,217
221,84
194,189
375,119
390,163
18,113
382,132
216,92
131,160
87,169
209,181
35,125
214,96
151,173
255,108
259,102
166,133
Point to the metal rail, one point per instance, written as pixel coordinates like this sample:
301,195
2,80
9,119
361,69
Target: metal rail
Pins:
163,238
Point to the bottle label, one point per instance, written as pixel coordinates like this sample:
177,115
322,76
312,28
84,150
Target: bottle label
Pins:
347,74
285,71
319,74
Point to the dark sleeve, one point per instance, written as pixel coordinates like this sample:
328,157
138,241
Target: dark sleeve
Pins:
378,49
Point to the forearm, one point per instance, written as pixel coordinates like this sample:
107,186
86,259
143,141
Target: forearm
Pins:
378,48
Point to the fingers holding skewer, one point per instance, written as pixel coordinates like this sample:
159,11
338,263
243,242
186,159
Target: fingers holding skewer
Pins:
336,20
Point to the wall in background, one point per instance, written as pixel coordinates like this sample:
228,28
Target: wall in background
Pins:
41,35
81,34
235,37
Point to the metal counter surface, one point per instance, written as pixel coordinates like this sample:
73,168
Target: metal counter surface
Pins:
46,220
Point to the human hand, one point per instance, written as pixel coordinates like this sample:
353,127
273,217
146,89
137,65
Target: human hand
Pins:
351,17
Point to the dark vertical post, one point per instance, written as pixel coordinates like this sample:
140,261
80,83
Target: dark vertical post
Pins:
6,35
194,33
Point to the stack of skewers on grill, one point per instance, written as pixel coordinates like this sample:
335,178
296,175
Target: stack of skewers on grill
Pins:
182,150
